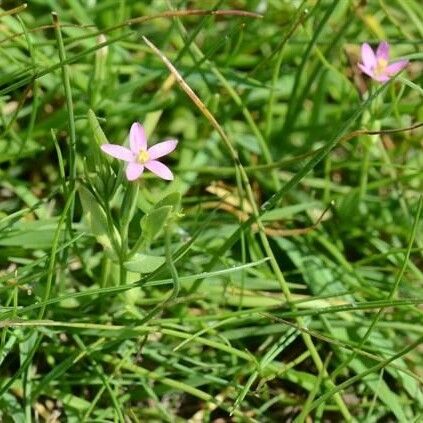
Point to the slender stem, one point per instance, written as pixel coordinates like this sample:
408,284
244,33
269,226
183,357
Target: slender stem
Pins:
174,274
15,10
364,173
171,264
129,204
35,95
105,270
54,248
71,123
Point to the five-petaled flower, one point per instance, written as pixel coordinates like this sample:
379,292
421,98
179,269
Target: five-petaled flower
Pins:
377,65
138,156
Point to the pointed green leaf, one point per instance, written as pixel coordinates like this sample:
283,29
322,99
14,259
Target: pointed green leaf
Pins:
36,234
95,217
142,263
153,222
98,133
173,199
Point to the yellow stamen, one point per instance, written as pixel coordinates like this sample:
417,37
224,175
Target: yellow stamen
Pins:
380,66
143,157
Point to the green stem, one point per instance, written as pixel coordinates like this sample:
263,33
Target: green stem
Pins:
72,132
174,274
129,204
364,174
171,264
54,248
71,117
105,270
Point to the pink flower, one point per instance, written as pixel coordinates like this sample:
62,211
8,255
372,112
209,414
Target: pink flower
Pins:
377,65
138,156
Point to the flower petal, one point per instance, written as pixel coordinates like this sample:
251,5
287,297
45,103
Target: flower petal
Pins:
134,171
137,138
367,56
396,67
382,78
161,149
118,152
159,169
382,51
366,70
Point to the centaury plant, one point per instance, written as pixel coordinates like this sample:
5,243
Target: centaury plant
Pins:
259,259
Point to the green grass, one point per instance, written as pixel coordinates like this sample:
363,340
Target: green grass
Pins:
278,277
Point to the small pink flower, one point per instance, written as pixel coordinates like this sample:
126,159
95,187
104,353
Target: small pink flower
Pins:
138,156
377,65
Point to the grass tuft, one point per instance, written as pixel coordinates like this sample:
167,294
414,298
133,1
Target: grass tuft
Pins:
277,277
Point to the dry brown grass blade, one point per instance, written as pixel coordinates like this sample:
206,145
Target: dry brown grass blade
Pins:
14,11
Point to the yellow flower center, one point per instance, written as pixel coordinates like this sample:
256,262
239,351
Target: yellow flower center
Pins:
380,66
143,157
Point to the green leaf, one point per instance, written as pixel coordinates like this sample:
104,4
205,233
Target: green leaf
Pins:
173,199
348,207
153,222
70,303
37,234
96,162
95,217
142,263
98,133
